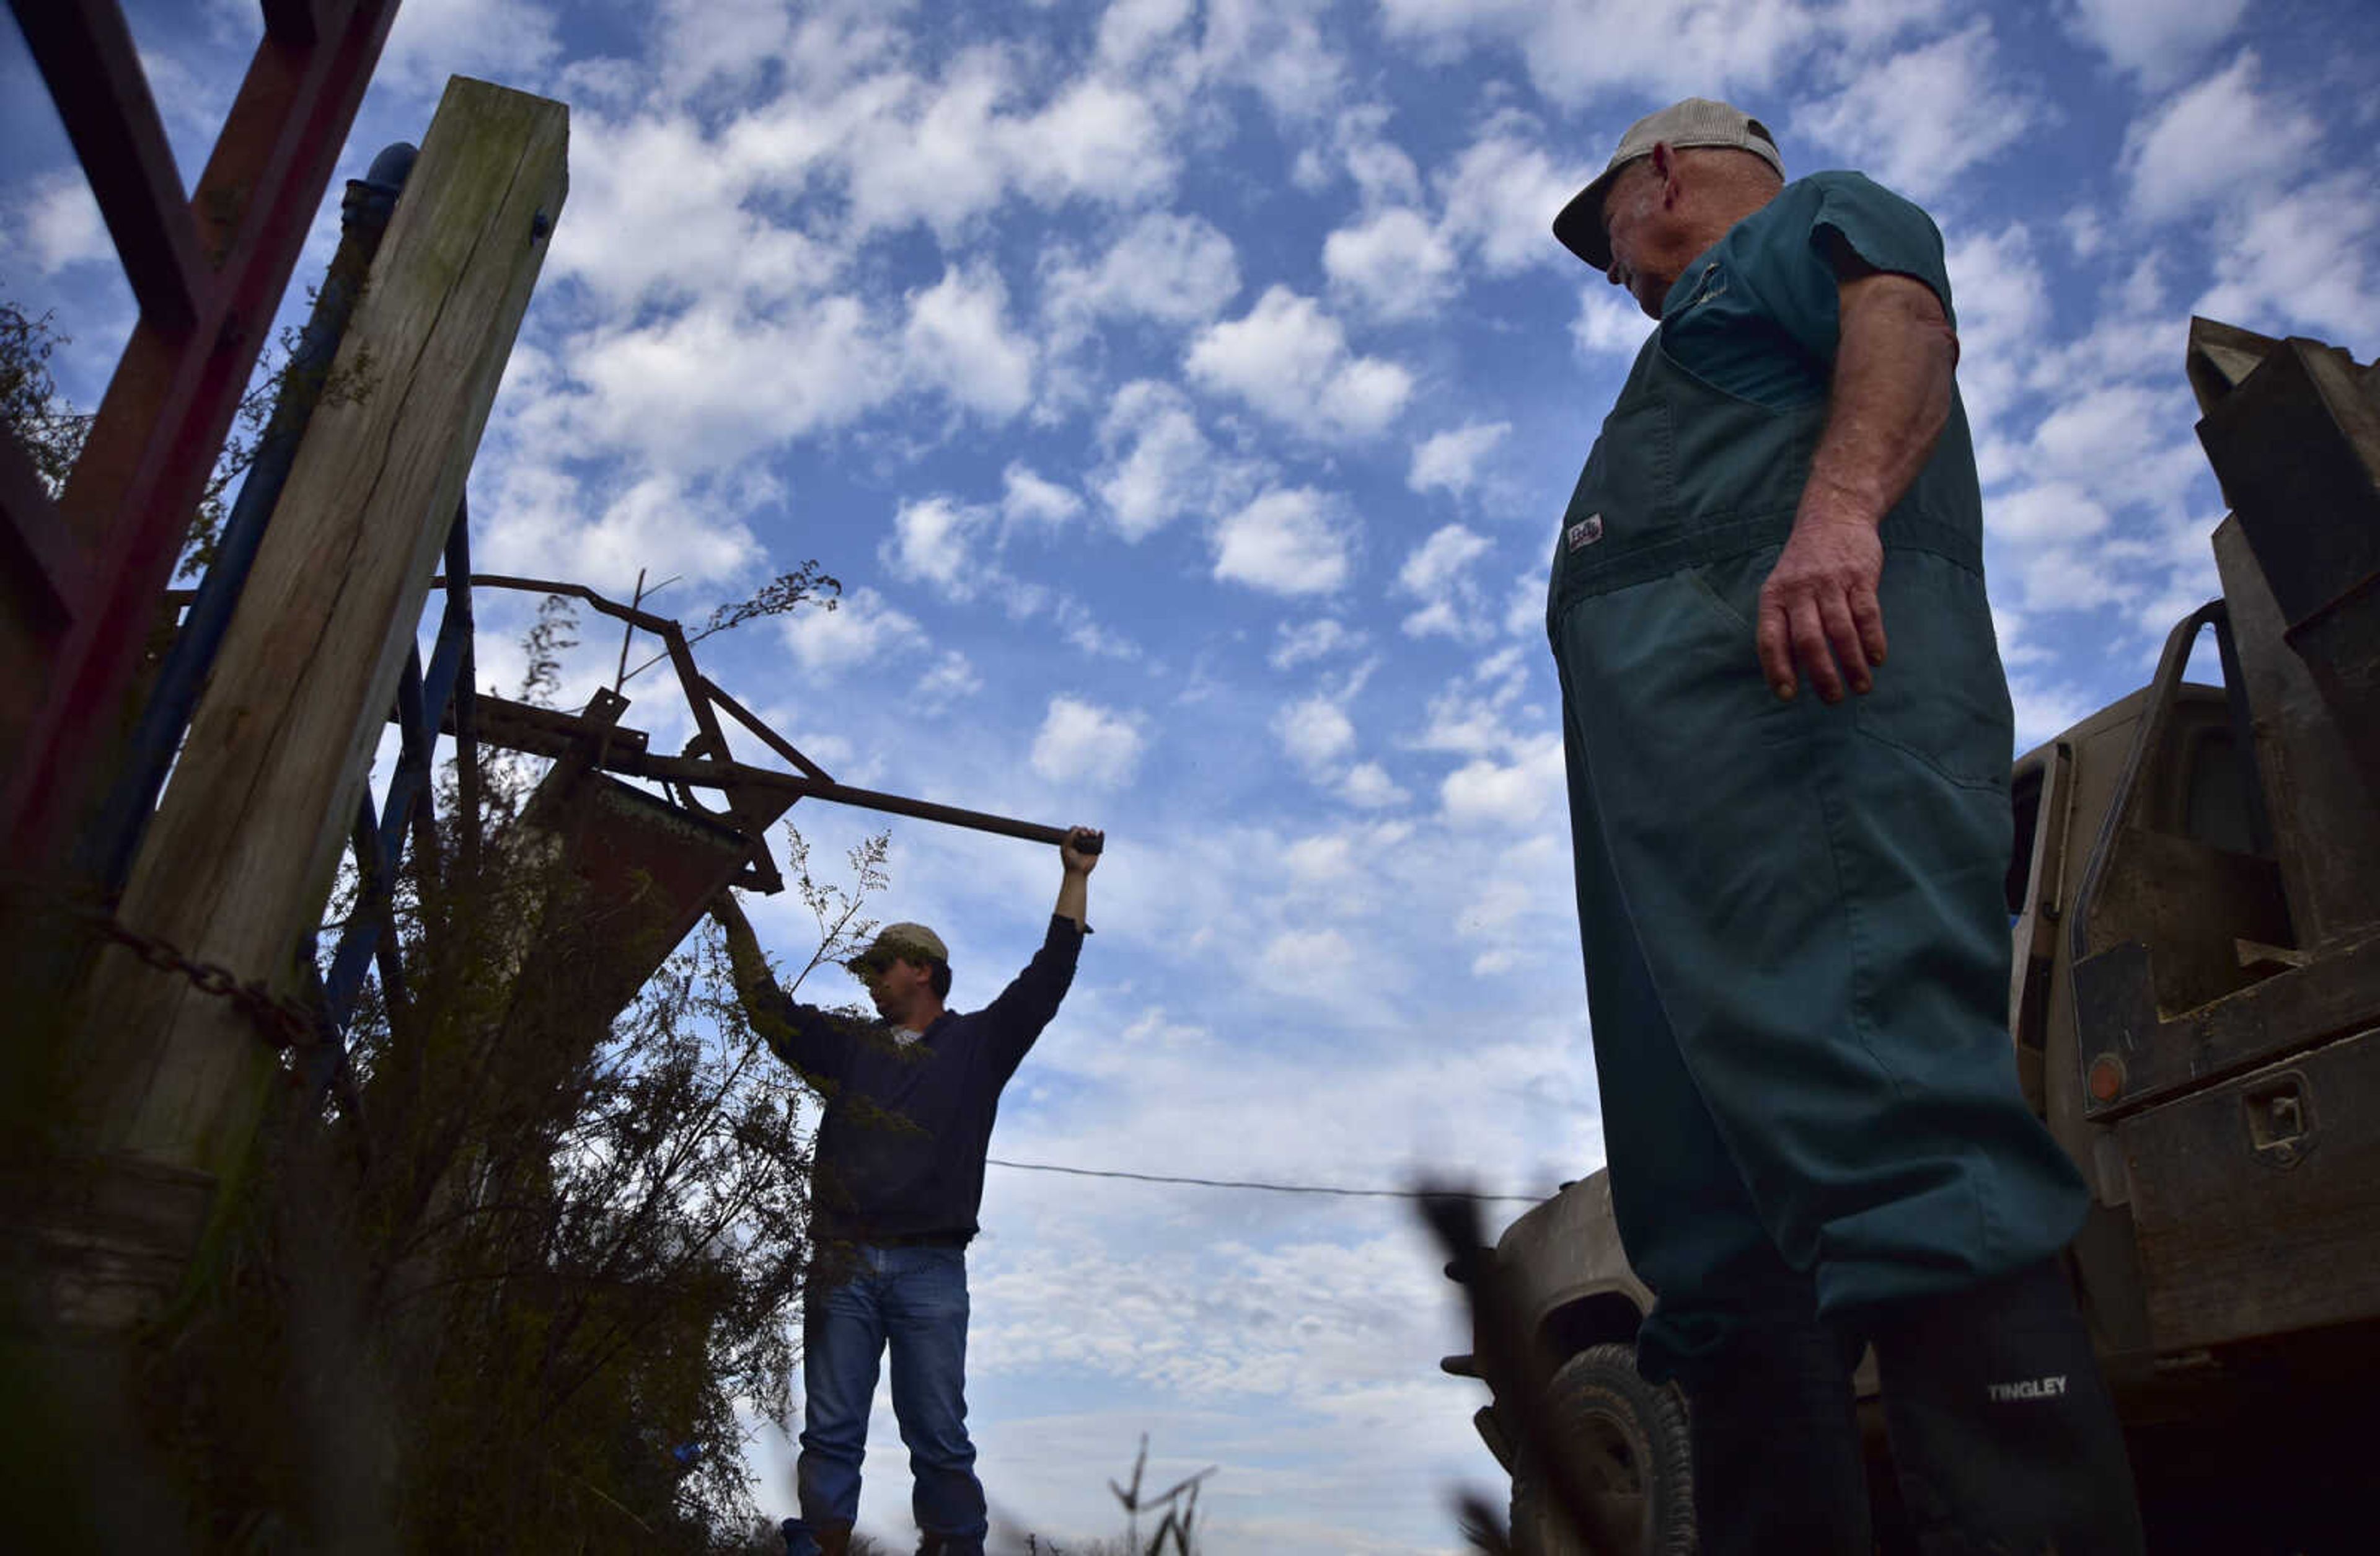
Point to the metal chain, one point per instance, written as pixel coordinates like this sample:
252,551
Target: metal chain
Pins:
283,1024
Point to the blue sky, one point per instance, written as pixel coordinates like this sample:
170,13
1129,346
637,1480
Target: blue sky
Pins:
1185,394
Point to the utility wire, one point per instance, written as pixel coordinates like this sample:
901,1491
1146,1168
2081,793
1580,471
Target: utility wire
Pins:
1268,1188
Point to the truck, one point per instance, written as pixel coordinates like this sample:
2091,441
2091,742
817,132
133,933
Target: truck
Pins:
2194,1009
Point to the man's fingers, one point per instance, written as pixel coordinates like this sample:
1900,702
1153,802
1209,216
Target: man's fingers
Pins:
1776,649
1810,652
1867,613
1842,637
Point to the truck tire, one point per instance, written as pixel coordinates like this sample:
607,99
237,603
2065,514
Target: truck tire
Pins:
1627,1442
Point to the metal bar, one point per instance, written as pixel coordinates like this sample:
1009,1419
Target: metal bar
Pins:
768,736
304,21
543,732
355,941
108,848
162,422
87,56
462,715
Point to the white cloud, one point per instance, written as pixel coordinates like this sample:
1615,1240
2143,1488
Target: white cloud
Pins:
1172,268
1028,499
1083,743
497,40
2302,261
1449,461
862,630
2214,144
1486,793
1314,732
1920,118
1315,640
1392,262
952,678
1367,787
933,542
58,224
713,385
1286,542
1501,195
1289,360
1609,323
1160,465
2052,513
958,340
1576,50
1438,573
2156,38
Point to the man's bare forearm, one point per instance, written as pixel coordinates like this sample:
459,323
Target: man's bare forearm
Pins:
743,945
1889,401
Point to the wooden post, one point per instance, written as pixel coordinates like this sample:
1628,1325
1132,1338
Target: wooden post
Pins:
242,851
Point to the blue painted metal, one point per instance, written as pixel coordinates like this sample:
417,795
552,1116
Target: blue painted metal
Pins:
379,835
112,844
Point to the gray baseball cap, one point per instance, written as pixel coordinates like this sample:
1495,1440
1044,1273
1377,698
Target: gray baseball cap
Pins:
1698,121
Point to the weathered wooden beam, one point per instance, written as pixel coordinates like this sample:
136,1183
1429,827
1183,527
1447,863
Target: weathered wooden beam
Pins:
242,853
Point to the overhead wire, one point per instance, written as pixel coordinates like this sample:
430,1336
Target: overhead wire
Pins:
1264,1186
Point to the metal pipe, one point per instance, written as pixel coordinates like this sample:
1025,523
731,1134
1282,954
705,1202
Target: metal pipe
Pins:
111,846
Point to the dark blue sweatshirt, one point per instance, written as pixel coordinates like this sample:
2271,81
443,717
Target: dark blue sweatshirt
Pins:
901,1149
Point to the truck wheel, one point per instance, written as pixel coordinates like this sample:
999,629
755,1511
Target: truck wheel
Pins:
1627,1440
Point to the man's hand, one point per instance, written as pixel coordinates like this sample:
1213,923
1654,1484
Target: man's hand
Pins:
1890,398
1081,852
1818,610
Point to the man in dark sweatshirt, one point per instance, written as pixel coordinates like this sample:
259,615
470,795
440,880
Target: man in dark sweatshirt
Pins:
896,1183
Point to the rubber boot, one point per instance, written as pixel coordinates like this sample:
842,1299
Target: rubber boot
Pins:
1777,1446
2003,1431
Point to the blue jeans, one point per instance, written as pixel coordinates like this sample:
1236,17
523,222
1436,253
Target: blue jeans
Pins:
914,1299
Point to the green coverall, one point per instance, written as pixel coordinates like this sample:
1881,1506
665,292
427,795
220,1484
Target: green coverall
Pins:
1793,916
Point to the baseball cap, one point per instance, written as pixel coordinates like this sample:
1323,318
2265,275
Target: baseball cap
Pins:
1698,121
912,942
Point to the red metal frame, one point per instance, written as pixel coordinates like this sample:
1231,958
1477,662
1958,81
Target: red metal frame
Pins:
88,572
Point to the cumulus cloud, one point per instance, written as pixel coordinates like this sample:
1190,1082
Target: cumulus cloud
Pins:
1291,541
1159,464
1515,794
1289,360
1919,118
1449,461
862,630
1173,268
1609,323
958,341
1574,52
1392,263
2211,143
1028,499
1293,645
952,678
1501,194
933,542
1438,573
1314,732
1083,743
58,224
713,384
2157,39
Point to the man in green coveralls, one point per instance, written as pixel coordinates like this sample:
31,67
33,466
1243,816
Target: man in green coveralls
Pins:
1790,851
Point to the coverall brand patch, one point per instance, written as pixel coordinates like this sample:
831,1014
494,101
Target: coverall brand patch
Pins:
2032,1388
1585,532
